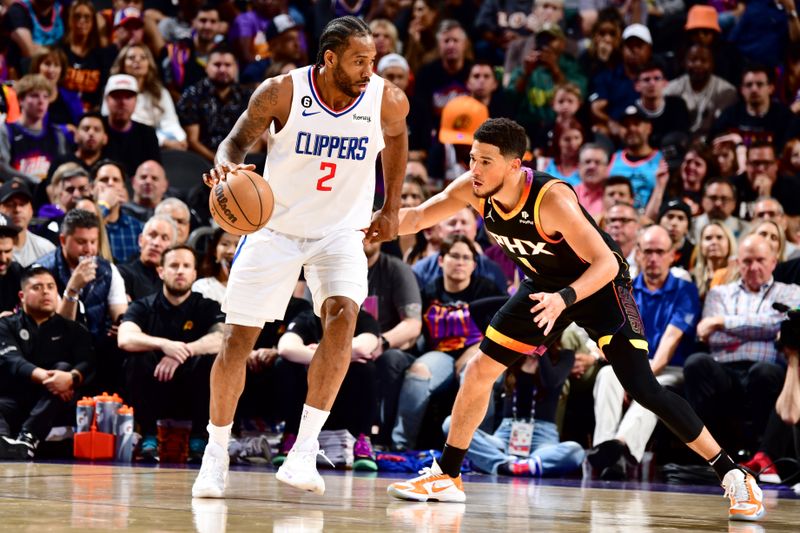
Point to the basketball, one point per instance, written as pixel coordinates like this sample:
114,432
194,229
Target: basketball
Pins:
242,203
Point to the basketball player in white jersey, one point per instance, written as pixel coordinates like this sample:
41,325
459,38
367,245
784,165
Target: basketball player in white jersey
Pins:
329,122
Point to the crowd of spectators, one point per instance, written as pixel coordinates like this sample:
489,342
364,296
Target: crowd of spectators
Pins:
675,122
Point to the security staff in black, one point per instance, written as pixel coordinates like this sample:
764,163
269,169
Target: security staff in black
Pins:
577,274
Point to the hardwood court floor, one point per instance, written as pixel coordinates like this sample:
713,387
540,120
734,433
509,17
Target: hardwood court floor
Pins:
64,497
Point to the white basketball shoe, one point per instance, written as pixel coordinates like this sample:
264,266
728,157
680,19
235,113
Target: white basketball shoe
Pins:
212,480
300,467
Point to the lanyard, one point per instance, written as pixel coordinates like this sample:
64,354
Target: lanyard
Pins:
760,303
514,403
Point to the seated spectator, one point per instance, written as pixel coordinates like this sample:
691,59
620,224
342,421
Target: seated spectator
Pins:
103,247
763,31
141,274
465,223
248,31
108,187
761,179
123,132
387,40
46,358
70,183
697,167
10,270
451,337
756,117
668,114
149,185
30,145
286,44
154,106
171,338
567,141
395,297
631,12
622,224
356,406
537,386
770,209
128,27
718,203
703,27
90,141
593,173
33,24
637,160
93,290
216,265
209,108
617,190
704,93
179,213
605,43
742,367
713,253
676,218
771,232
422,35
731,154
65,107
16,204
483,86
413,193
394,68
182,62
670,309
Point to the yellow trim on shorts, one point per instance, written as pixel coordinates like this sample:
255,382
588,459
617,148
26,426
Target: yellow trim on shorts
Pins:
507,342
639,344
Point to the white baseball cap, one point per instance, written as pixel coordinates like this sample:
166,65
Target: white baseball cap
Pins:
392,60
639,31
121,82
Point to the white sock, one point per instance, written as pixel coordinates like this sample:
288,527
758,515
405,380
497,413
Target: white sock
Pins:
219,434
311,423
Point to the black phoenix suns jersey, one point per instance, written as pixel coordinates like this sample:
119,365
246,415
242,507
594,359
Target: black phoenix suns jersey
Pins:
551,264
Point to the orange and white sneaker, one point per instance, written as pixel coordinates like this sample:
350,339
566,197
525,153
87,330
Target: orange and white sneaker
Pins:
432,485
745,495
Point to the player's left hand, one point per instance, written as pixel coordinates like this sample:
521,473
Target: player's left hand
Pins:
547,310
165,369
384,226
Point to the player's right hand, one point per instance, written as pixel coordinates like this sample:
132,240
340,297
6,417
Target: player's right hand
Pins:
220,170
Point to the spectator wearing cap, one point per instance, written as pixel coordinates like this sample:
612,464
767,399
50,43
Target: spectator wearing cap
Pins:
761,179
394,68
482,85
532,85
637,160
46,358
286,45
10,270
129,142
16,204
30,145
757,116
461,117
593,172
108,187
438,82
614,88
209,109
32,25
703,27
704,93
765,29
670,309
676,217
668,114
128,27
182,61
248,33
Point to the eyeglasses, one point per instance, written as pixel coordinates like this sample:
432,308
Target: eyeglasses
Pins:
654,251
620,220
71,189
720,199
460,257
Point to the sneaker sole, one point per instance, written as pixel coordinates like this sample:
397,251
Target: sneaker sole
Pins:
416,497
209,491
749,518
308,487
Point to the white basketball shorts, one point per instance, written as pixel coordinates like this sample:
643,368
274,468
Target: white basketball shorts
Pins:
267,265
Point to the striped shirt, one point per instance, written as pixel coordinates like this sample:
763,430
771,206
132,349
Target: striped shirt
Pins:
751,324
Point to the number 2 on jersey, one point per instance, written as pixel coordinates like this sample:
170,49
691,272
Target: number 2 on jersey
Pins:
331,167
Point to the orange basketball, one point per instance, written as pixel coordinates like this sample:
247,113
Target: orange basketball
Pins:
242,203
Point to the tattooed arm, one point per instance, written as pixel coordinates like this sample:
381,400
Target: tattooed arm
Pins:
270,102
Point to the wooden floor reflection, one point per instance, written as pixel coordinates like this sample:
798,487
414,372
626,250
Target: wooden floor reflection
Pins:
55,497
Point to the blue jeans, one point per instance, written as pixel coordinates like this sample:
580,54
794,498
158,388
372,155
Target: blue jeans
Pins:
487,452
415,394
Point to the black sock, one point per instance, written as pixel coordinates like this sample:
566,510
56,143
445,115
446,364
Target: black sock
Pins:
451,460
722,464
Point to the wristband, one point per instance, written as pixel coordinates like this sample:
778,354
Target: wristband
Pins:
568,295
67,297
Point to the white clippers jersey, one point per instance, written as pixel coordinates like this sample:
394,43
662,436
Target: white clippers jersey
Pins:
321,165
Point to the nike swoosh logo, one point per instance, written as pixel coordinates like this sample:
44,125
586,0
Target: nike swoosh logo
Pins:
307,114
434,488
56,338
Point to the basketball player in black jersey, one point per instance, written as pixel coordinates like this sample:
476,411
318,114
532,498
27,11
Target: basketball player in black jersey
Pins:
575,273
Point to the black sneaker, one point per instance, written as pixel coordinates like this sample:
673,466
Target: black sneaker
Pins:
12,449
30,442
606,454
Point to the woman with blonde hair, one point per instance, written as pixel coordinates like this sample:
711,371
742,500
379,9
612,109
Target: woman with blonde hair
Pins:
773,234
65,106
387,40
154,105
712,255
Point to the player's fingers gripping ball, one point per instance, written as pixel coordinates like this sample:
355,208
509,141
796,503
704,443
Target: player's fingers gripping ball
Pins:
242,203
